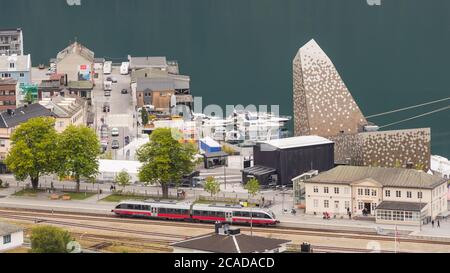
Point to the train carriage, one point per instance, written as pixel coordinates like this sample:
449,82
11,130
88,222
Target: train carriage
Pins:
196,212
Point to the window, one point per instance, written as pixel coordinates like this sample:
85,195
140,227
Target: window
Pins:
6,239
325,190
398,194
374,192
22,75
316,189
326,204
2,143
360,205
409,194
367,192
360,192
374,206
316,203
12,65
336,190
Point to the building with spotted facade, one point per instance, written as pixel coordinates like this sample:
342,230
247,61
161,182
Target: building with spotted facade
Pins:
324,106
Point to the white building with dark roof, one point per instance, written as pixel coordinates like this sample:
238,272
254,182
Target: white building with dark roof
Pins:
390,195
11,236
227,240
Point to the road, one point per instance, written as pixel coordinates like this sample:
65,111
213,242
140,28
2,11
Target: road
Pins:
122,110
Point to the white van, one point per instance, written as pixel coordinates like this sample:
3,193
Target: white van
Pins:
107,68
125,68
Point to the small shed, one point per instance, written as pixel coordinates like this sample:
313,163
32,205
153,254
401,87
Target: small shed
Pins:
11,236
215,159
209,145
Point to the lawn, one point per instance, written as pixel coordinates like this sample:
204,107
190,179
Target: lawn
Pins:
79,195
116,198
28,192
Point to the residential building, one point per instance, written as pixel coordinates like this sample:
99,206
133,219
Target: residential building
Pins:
11,236
324,106
67,110
17,67
228,240
55,85
279,161
155,87
137,63
11,119
390,195
8,90
82,89
76,61
11,41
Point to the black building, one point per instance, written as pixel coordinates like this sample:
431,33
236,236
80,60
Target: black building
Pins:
279,161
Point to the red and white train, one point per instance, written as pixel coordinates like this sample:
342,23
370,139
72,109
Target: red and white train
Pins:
196,212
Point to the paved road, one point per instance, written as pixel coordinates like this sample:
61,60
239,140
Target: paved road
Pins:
122,110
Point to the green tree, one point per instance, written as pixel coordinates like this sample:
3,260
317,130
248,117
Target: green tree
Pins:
212,186
33,150
78,148
253,186
123,179
29,97
144,115
165,160
48,239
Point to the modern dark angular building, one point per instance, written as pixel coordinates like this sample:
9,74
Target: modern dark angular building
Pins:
279,161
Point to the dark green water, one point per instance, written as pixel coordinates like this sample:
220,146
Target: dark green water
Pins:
240,51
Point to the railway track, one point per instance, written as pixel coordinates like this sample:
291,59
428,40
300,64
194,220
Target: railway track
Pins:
8,213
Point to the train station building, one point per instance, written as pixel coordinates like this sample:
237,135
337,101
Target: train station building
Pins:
386,195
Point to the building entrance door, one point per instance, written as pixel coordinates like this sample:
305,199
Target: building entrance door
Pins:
367,209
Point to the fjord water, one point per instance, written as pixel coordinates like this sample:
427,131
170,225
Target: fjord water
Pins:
241,51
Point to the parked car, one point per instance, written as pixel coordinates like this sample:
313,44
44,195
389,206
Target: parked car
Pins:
106,108
114,79
107,93
124,91
115,144
115,132
104,131
109,79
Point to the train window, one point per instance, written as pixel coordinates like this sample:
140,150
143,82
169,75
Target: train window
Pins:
146,207
245,214
267,216
121,206
130,206
221,214
195,212
162,210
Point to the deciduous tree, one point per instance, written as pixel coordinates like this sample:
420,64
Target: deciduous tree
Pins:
49,239
165,160
123,179
33,150
252,186
78,148
212,186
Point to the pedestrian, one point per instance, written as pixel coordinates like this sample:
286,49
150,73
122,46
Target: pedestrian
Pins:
350,215
439,223
432,223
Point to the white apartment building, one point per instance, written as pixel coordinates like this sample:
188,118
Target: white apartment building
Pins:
391,195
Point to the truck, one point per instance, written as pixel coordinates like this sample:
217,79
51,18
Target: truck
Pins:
107,68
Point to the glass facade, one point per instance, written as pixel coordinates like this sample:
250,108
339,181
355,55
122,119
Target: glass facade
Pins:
397,215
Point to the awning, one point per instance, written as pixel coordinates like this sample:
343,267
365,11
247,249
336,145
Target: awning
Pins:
215,154
259,170
403,206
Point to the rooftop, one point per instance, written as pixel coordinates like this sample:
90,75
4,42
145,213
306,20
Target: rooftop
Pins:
147,62
76,48
388,177
21,63
13,118
404,206
5,81
80,85
7,229
296,142
241,243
